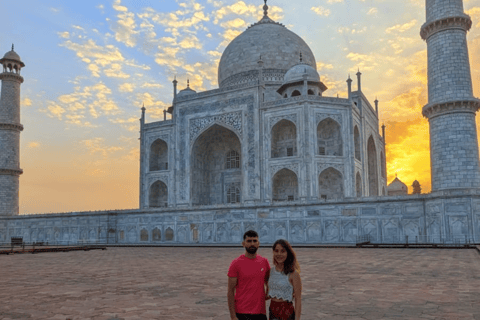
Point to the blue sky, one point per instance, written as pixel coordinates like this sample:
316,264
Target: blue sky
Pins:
90,65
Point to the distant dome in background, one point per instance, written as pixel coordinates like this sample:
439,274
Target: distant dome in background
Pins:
279,48
296,73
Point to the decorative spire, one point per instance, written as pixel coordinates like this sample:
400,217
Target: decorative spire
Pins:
13,46
188,83
301,57
265,9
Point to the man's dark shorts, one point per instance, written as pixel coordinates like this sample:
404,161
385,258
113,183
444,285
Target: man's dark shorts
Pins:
251,316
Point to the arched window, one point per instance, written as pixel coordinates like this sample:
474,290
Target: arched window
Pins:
285,186
233,194
158,195
372,168
233,160
169,234
156,235
329,137
310,92
284,139
285,95
144,235
159,155
356,140
296,93
330,184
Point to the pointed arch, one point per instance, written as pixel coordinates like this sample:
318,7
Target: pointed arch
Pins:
215,164
284,139
372,168
296,93
330,184
144,235
158,155
311,92
358,185
158,195
156,234
169,234
356,140
329,138
285,186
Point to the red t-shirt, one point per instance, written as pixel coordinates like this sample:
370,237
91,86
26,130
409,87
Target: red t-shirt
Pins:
249,292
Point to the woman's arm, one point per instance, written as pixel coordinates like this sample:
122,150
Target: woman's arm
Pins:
297,289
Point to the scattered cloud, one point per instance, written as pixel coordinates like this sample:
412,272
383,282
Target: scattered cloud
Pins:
402,27
34,145
97,145
321,11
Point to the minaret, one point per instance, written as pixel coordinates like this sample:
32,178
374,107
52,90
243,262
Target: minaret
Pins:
451,105
10,129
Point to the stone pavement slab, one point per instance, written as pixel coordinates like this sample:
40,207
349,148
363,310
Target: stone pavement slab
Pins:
191,283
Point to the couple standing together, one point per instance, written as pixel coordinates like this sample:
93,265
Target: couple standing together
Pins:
251,282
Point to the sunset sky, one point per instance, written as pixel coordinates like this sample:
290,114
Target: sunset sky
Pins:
91,64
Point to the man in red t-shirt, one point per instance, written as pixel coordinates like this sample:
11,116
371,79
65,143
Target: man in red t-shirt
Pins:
247,279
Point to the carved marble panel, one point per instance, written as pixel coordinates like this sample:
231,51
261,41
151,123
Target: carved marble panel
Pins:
290,166
322,116
321,166
369,227
332,231
232,120
280,231
350,231
236,233
289,117
411,230
314,232
297,232
391,231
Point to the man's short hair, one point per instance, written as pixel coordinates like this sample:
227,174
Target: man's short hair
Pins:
251,234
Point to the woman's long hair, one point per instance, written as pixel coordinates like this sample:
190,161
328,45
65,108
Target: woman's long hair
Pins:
291,263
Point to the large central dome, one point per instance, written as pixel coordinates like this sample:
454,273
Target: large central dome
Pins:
279,48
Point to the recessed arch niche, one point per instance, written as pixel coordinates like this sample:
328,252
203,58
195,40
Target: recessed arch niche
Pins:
330,184
212,172
356,140
329,136
285,186
284,139
372,168
158,155
158,195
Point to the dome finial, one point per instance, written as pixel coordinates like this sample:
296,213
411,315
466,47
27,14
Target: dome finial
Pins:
188,83
265,9
13,46
301,58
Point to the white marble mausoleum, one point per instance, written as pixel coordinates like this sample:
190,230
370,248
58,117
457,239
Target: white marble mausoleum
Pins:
271,150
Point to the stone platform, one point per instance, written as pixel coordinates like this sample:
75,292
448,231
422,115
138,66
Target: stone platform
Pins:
191,283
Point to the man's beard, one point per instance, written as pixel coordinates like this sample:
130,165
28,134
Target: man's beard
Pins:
251,250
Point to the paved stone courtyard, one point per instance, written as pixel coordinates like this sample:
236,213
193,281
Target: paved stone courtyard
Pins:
191,283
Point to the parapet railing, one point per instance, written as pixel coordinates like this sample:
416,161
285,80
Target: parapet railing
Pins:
434,239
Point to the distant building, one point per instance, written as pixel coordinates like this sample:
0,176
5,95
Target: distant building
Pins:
417,189
397,188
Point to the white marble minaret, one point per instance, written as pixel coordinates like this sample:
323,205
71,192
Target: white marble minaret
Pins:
10,129
451,105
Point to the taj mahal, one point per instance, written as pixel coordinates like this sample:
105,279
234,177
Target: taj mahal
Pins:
270,150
